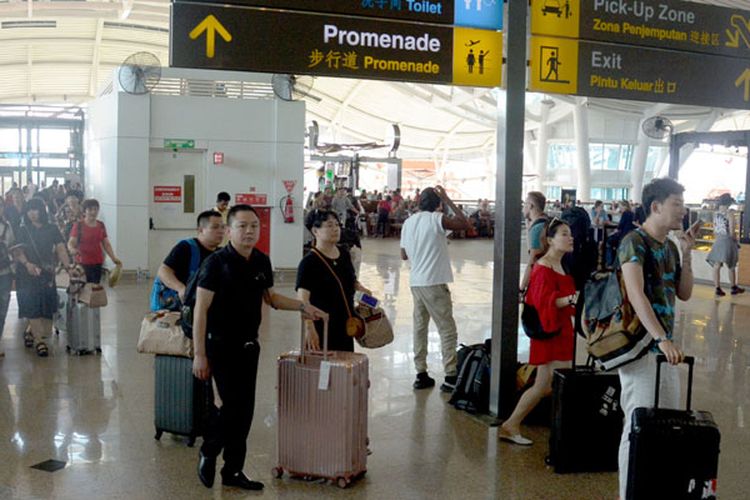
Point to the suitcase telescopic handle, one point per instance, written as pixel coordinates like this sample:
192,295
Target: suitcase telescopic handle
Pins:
303,346
688,360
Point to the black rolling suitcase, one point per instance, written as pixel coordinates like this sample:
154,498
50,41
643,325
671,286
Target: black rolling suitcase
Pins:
673,453
182,403
586,420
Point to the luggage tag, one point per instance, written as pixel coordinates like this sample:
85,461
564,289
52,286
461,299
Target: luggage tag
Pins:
325,375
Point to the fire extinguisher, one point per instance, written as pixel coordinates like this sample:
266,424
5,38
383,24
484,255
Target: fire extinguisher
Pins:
287,209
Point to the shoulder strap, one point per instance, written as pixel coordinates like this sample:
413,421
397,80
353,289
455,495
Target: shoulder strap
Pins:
195,255
341,287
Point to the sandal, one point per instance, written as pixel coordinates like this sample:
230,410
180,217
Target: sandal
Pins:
41,350
28,339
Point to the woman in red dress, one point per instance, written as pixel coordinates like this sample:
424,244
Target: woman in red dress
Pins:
553,294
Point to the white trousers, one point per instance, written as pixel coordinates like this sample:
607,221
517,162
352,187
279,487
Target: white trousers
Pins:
638,381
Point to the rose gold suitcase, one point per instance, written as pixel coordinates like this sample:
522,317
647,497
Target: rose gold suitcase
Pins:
322,433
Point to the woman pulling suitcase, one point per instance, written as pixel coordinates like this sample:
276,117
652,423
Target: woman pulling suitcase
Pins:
553,294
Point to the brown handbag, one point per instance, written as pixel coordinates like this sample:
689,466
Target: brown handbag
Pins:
93,295
355,326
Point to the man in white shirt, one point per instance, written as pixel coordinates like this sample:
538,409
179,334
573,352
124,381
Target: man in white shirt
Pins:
424,242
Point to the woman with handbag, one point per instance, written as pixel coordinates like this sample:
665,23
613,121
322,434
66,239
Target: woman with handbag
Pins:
552,293
39,247
88,242
326,279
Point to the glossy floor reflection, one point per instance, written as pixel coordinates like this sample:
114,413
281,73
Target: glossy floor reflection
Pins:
96,412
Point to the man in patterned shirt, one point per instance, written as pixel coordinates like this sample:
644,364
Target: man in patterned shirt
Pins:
654,277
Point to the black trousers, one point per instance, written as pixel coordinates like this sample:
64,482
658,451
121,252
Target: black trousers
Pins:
235,370
93,273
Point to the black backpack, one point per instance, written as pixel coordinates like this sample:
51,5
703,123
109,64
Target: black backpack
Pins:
472,392
583,260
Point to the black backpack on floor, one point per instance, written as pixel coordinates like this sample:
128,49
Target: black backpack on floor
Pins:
472,392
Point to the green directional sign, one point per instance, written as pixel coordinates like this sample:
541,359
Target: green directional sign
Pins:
179,144
579,67
671,24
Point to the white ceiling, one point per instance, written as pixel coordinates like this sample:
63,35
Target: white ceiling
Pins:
71,57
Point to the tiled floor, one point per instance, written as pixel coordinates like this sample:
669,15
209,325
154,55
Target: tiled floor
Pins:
96,412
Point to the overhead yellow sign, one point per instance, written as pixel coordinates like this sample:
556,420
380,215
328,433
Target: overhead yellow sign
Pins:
556,17
477,57
554,65
211,26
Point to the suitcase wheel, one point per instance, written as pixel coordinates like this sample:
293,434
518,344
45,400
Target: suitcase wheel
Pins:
277,472
57,331
191,441
158,434
98,350
343,482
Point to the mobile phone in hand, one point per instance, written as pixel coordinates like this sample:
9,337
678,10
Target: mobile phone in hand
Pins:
366,299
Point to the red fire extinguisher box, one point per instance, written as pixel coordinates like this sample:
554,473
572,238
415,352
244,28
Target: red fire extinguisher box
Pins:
264,242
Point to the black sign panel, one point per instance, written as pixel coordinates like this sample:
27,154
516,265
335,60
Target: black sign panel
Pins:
671,24
433,11
251,39
640,74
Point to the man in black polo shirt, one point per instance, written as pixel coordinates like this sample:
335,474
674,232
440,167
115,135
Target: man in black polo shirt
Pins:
232,284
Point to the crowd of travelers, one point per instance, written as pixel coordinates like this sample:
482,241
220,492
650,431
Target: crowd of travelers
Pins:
225,279
46,230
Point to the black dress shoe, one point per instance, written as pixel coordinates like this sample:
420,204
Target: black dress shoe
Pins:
206,470
240,480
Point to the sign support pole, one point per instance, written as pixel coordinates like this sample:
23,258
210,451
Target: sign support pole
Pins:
508,187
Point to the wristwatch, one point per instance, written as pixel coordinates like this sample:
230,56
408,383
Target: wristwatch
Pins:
571,300
302,306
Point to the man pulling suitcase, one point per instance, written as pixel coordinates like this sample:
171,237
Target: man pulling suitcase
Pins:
653,300
233,283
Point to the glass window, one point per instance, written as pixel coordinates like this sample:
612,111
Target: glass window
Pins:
54,140
561,156
8,139
610,156
554,192
654,152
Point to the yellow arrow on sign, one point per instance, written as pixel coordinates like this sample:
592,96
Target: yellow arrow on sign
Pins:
744,78
211,26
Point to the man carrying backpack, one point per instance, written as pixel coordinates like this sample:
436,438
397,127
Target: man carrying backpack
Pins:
654,276
533,212
185,259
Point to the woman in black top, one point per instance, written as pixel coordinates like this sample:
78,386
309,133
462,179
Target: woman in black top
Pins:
39,247
317,285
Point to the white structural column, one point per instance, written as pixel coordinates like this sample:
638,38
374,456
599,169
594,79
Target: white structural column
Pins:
529,156
543,144
638,169
583,162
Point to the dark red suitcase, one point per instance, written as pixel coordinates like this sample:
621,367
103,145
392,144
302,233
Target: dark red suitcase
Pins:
674,454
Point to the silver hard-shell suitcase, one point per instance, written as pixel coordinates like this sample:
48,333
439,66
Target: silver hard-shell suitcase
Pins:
83,328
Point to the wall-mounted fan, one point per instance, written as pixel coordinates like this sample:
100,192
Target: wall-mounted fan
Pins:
657,127
139,73
292,87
